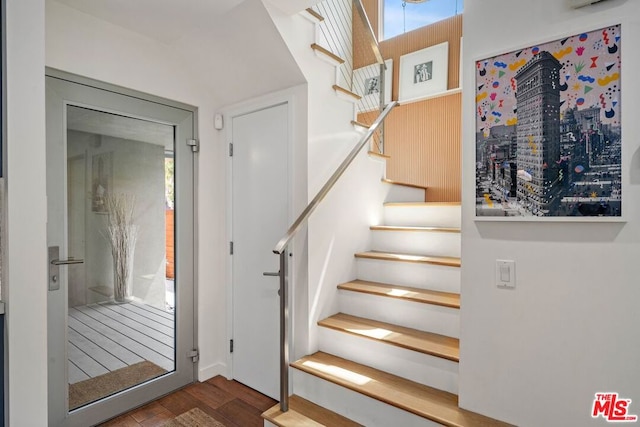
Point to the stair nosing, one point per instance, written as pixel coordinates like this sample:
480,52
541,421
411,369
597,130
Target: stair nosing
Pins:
404,184
430,347
441,404
317,48
414,228
379,155
297,405
347,92
429,300
419,259
315,14
422,204
360,124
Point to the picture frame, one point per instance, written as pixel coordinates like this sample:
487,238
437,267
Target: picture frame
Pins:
101,180
549,130
365,84
424,73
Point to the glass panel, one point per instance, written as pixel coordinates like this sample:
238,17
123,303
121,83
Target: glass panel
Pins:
120,222
401,16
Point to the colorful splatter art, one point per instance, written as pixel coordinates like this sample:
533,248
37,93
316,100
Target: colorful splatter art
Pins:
590,76
548,129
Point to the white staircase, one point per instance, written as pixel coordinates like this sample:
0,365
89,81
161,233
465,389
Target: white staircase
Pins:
390,356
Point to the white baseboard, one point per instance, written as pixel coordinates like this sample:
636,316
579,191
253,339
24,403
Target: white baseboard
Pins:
207,372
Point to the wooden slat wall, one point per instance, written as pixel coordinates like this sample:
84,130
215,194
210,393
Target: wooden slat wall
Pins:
423,138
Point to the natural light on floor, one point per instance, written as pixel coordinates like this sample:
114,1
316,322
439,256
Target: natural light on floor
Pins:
409,257
376,333
398,292
342,373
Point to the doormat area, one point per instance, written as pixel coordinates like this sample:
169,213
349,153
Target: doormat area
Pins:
90,390
193,418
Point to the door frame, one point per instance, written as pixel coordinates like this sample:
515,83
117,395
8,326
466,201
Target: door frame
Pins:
296,100
111,406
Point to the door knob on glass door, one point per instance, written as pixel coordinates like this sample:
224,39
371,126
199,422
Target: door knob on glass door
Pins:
271,273
71,260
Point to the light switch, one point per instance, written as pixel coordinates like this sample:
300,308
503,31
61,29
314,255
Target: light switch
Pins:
505,273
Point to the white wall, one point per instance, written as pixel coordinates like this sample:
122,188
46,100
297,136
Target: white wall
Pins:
26,257
536,355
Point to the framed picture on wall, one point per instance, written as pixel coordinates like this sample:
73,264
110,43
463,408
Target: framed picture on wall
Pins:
366,83
549,130
424,72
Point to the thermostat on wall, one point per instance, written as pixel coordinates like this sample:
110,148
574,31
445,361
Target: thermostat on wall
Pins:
217,121
580,3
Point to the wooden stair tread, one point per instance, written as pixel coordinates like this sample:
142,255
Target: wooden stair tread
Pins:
414,228
424,296
400,336
346,92
424,401
316,47
419,204
303,413
382,156
315,14
404,184
422,259
360,124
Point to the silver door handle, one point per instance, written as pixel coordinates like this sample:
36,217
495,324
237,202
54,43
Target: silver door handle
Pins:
54,266
71,260
268,273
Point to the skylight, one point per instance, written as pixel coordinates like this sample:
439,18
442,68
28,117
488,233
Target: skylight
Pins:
403,16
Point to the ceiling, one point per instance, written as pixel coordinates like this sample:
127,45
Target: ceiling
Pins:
168,20
231,50
162,20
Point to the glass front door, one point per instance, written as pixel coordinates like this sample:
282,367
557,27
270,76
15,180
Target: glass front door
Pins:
120,294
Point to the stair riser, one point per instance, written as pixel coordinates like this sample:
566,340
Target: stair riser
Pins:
412,365
417,242
428,216
359,408
401,193
424,276
426,317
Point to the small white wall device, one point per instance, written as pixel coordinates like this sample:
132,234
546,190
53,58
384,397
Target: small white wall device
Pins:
217,121
580,3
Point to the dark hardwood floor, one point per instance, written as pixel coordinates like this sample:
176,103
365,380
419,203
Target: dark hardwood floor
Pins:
229,402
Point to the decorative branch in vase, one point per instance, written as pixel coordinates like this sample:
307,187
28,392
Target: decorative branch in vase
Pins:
122,234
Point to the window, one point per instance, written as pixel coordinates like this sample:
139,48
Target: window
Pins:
400,16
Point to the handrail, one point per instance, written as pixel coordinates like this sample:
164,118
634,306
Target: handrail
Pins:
304,216
370,34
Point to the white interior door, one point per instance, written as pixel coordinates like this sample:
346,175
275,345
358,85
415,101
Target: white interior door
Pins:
260,217
109,354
